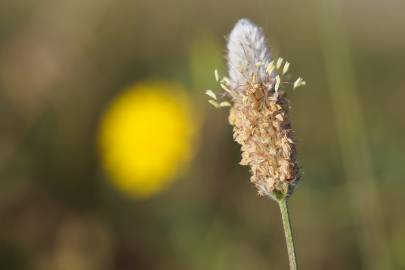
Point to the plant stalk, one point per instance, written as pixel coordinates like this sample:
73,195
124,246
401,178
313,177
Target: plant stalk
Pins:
288,233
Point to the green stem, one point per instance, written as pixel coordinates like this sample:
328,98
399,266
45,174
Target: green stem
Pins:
288,233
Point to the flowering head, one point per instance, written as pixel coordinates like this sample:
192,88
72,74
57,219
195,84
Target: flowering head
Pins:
259,111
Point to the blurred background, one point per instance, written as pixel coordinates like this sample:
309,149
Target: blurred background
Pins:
112,158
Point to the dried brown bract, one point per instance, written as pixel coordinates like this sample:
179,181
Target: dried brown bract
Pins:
259,117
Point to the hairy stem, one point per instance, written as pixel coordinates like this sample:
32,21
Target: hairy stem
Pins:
288,233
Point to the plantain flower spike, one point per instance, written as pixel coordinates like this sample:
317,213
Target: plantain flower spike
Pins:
259,112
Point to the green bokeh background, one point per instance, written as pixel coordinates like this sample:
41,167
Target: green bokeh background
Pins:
62,61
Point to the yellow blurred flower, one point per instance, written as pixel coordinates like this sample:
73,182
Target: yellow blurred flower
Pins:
146,137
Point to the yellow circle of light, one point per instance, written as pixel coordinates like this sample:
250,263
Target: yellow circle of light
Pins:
146,137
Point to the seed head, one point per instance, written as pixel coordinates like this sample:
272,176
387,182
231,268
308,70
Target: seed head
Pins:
259,112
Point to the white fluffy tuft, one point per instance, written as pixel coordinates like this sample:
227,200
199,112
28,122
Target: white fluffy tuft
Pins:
248,54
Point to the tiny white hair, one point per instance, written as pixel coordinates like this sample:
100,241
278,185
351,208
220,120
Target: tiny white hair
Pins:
248,54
